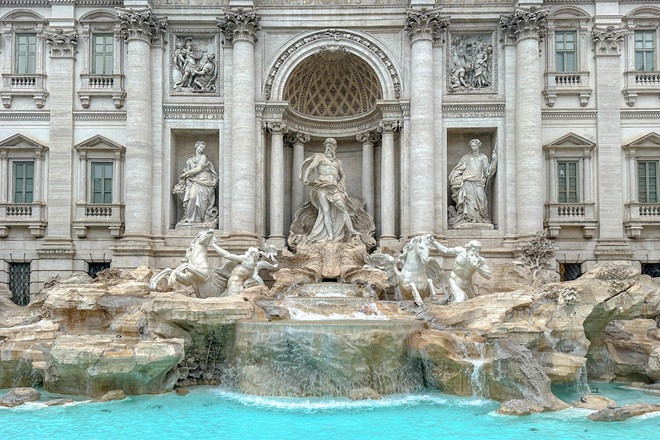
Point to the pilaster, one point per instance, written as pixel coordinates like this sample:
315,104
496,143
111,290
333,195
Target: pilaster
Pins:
368,139
388,236
297,141
276,235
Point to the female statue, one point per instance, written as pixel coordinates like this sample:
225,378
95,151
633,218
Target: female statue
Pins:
197,185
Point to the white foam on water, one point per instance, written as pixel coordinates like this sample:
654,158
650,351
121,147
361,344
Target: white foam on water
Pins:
34,406
300,315
329,404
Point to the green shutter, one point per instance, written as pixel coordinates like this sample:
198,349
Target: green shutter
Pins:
26,54
568,182
103,54
645,47
647,181
23,182
565,53
101,182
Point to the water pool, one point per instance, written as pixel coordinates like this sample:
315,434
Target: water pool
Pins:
211,413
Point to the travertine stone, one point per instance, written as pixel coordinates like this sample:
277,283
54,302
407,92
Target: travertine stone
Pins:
276,236
387,184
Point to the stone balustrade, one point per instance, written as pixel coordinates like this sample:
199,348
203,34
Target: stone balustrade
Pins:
640,83
94,215
639,215
580,215
31,215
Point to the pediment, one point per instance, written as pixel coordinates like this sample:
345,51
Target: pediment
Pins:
644,12
571,140
568,13
651,140
99,143
21,142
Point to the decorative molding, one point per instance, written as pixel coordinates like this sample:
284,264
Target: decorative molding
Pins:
240,24
62,42
141,24
390,126
568,115
368,137
336,36
193,112
99,116
525,23
426,25
24,116
451,111
294,137
274,127
608,41
640,114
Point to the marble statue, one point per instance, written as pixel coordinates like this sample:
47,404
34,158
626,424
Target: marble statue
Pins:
243,270
468,261
328,195
235,274
196,185
195,269
413,273
471,63
469,181
194,71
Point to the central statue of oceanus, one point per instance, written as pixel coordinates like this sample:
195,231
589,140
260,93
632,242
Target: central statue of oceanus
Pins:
235,274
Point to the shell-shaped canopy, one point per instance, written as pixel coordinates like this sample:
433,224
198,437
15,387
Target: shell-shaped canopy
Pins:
333,84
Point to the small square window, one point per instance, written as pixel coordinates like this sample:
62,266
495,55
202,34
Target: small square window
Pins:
23,181
102,182
647,181
19,283
569,271
26,54
645,51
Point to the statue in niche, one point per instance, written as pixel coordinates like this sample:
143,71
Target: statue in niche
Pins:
469,181
196,185
328,195
468,261
471,63
194,69
238,272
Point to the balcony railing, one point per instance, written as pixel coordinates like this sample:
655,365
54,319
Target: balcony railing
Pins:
93,215
30,215
640,83
559,215
566,83
14,84
108,86
639,215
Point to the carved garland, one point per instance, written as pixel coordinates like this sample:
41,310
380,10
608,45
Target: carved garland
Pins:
336,35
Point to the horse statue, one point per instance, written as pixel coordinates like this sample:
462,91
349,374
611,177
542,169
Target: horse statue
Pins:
413,273
195,270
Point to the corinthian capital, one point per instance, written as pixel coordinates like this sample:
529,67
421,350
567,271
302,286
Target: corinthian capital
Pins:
240,25
368,137
425,24
62,43
608,41
525,23
294,137
141,24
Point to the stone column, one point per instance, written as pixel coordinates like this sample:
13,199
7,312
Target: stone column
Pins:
4,172
62,45
611,241
276,233
368,139
423,27
387,184
297,140
240,28
138,27
527,27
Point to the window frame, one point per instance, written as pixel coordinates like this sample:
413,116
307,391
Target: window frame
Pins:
640,82
563,52
92,181
567,177
30,70
14,177
653,51
108,69
640,214
647,190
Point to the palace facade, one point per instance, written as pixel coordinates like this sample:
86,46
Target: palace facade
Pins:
105,100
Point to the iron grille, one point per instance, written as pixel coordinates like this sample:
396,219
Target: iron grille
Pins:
19,283
569,271
652,269
94,268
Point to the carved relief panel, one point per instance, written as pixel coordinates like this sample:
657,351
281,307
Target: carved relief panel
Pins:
471,62
194,62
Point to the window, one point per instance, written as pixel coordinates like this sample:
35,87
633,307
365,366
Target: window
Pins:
102,63
651,269
94,268
23,182
567,181
102,182
26,54
647,181
569,271
644,51
565,51
19,283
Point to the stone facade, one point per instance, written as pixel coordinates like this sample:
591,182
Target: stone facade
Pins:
116,93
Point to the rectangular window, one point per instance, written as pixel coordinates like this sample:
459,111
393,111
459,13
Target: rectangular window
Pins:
565,51
101,182
644,51
26,54
567,178
94,268
103,54
23,182
569,271
19,283
647,181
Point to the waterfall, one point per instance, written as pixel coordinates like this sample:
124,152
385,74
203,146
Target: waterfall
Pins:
581,382
478,376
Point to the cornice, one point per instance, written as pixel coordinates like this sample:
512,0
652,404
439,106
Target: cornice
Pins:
183,111
568,115
24,116
99,116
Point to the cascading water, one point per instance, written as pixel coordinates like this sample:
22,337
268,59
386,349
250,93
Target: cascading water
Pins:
478,376
581,382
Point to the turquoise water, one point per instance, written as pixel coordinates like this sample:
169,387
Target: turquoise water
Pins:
210,413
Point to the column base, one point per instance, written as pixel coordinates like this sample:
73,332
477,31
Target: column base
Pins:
278,241
613,250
